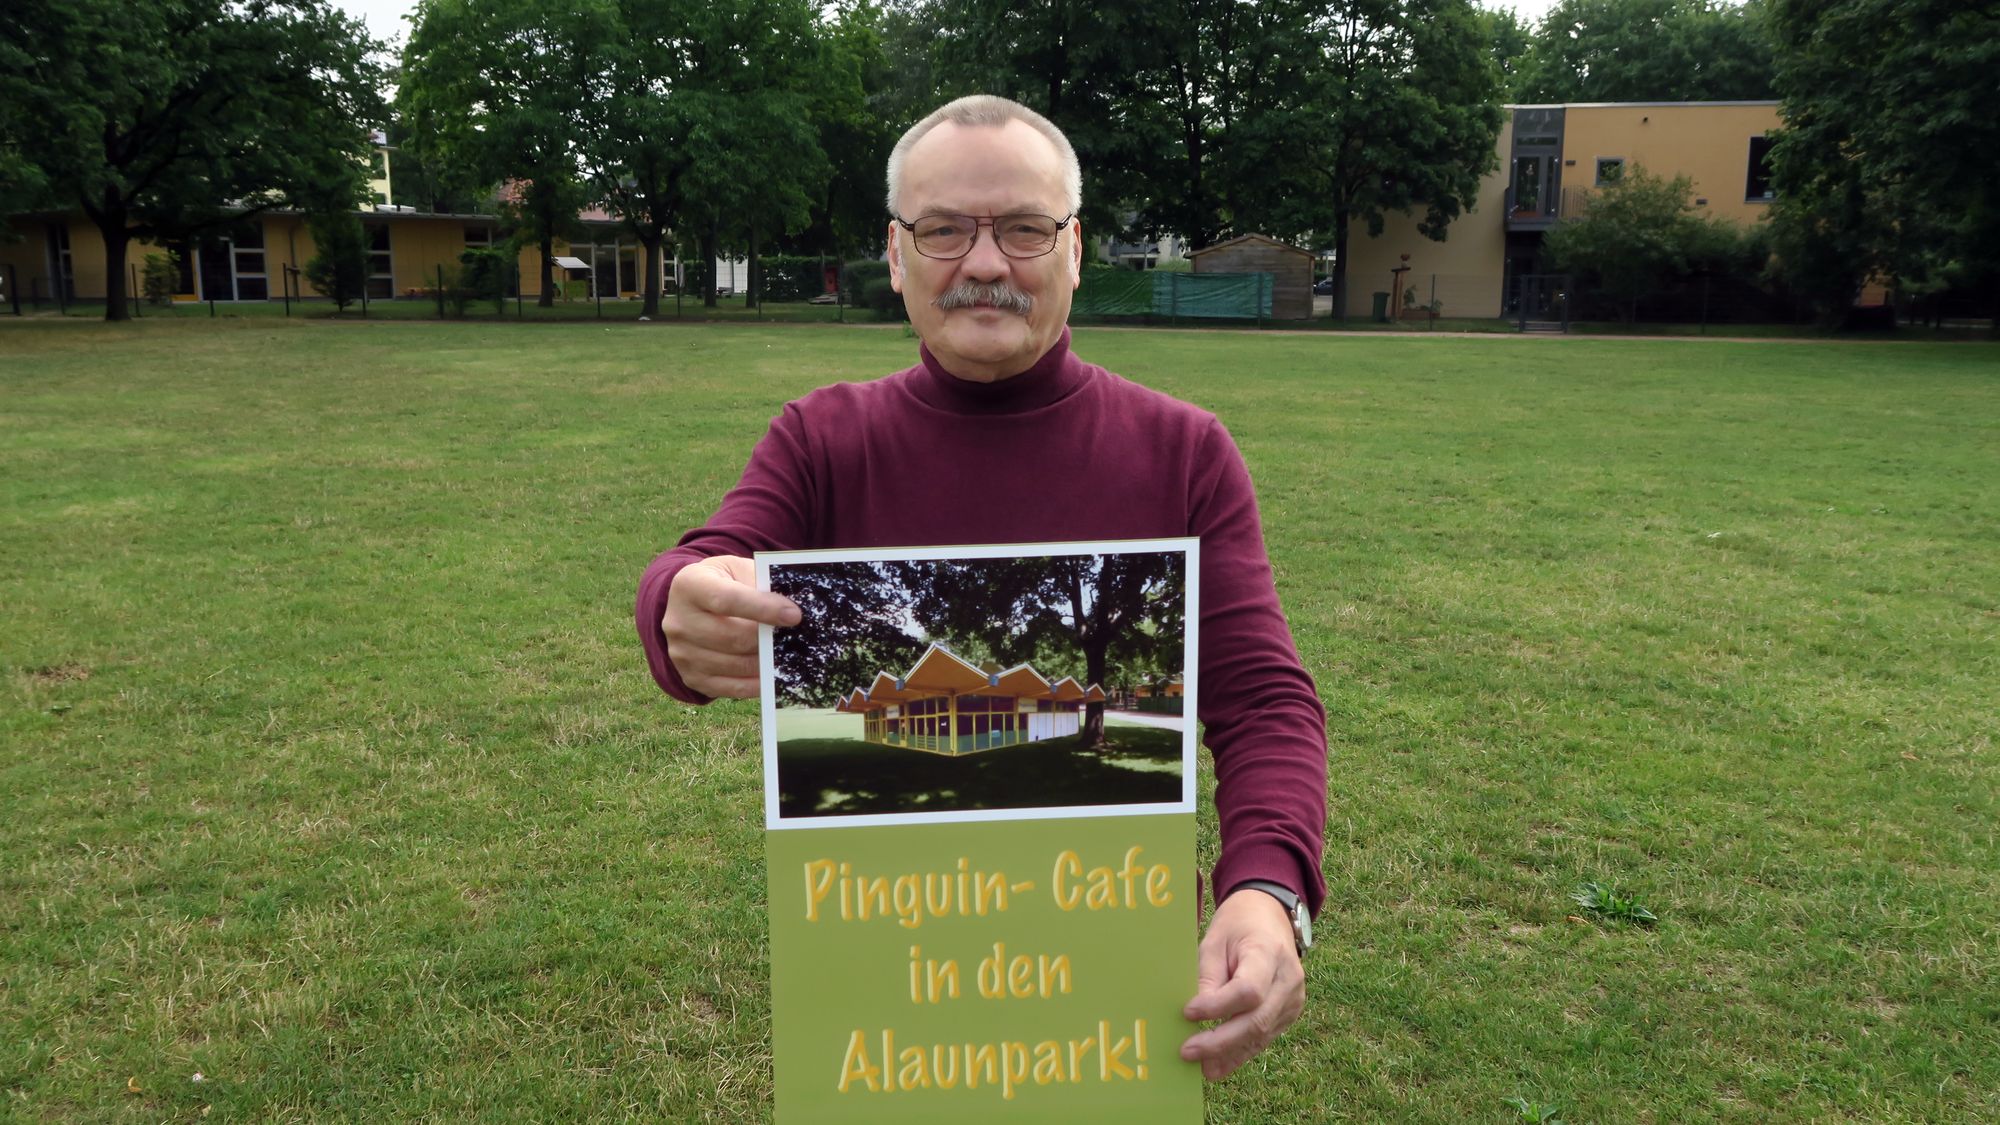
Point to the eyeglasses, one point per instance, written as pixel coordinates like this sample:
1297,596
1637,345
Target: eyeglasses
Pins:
952,236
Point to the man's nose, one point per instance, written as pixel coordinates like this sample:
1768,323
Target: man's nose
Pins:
985,262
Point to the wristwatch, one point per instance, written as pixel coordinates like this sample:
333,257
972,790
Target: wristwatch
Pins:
1302,923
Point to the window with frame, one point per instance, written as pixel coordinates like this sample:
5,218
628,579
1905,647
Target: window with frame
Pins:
1758,184
381,267
478,236
1610,169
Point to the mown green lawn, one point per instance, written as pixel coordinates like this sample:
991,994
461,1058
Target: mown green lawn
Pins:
329,768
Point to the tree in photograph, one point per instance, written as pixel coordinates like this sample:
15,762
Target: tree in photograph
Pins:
1107,609
491,86
1407,116
339,270
172,120
1889,163
1647,50
1637,236
852,625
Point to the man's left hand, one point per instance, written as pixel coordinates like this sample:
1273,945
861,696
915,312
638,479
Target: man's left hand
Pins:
1250,979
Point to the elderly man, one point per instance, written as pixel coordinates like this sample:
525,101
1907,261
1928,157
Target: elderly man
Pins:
1001,434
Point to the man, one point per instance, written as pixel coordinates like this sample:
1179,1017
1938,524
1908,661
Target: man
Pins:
1002,435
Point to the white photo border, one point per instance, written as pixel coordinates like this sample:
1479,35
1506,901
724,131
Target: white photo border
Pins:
1191,617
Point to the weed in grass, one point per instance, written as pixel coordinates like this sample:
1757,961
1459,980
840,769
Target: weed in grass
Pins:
1535,1113
1604,901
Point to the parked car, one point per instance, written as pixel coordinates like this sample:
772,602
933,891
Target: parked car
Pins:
1323,287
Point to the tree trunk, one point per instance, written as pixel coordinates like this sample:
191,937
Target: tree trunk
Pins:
116,244
1093,713
1340,220
548,245
109,217
653,264
709,239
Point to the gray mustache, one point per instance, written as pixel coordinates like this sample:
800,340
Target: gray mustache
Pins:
999,294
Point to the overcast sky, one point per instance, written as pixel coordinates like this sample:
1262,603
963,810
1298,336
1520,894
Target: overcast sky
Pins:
385,17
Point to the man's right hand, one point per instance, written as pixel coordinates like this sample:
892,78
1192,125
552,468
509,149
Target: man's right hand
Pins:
713,610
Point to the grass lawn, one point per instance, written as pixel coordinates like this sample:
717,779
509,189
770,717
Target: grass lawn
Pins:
847,776
329,768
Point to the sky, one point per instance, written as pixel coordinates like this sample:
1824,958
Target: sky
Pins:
385,17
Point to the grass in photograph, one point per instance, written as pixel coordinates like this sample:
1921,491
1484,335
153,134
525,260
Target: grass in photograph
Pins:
330,770
848,777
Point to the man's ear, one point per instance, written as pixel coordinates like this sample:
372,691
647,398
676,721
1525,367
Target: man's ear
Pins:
895,257
1075,253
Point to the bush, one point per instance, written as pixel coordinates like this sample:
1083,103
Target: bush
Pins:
340,269
158,278
791,277
865,283
483,273
880,295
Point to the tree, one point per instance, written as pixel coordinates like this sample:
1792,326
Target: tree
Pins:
851,627
1406,113
340,269
492,86
1889,162
1106,608
172,120
1647,50
1636,236
1213,107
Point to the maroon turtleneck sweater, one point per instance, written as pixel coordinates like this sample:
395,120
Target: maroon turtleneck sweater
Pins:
1063,451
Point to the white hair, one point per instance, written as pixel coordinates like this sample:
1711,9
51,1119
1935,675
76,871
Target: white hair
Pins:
986,109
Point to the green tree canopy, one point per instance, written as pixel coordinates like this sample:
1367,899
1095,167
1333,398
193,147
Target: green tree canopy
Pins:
1647,50
492,87
1889,164
1404,116
171,120
1637,236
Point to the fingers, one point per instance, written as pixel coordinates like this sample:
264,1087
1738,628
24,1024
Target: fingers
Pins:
713,610
1256,1004
1249,979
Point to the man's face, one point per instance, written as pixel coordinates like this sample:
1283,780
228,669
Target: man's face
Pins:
983,171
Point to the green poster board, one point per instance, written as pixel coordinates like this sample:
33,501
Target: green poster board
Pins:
982,907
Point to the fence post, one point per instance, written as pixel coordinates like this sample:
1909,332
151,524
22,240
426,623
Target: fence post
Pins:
138,308
440,290
1434,304
516,267
1704,304
364,298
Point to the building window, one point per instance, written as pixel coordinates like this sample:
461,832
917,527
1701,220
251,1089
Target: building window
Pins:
479,236
381,270
1610,169
1759,183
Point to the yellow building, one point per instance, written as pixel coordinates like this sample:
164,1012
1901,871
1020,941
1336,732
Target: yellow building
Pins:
264,255
948,705
1551,159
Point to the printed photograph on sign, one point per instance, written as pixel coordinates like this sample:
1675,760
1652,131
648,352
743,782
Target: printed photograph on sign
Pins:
967,686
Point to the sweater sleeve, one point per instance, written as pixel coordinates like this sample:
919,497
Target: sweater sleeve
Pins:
1261,712
770,509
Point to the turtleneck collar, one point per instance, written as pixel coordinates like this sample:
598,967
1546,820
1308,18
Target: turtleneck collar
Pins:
1054,376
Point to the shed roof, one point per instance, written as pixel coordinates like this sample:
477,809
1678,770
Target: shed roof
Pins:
1242,239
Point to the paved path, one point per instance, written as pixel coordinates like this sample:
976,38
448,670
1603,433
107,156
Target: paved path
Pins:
1144,719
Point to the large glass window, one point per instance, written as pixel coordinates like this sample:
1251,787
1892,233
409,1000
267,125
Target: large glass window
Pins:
1758,184
1610,169
1528,184
381,267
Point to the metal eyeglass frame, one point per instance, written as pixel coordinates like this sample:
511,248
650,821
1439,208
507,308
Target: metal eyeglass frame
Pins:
977,222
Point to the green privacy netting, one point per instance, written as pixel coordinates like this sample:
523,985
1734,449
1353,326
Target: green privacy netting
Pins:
1242,296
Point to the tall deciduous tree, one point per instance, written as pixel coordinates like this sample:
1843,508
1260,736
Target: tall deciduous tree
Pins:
1408,113
1889,164
493,86
1647,50
169,120
1214,106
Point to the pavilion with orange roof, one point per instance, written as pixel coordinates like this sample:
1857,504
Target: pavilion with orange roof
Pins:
946,704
